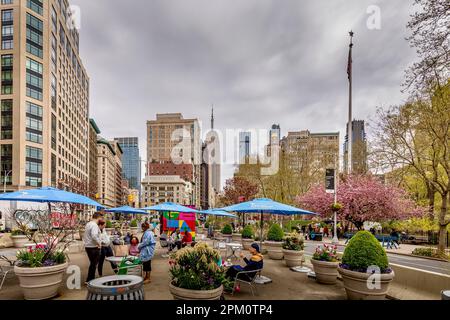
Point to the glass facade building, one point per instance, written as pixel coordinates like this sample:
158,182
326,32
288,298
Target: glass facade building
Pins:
131,161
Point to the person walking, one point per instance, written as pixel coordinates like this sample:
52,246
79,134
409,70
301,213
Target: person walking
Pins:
92,244
147,250
106,250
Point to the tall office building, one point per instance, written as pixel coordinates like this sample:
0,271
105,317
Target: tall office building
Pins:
131,161
245,139
173,139
274,139
310,153
110,179
359,148
44,97
94,131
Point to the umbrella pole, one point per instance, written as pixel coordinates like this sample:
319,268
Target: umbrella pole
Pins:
261,228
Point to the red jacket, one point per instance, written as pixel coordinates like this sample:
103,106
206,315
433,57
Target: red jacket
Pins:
187,238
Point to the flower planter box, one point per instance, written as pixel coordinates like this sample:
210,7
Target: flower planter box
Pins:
19,241
274,249
247,243
41,283
293,258
185,294
326,272
236,237
357,288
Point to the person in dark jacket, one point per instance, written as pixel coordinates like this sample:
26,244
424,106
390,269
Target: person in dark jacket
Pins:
254,263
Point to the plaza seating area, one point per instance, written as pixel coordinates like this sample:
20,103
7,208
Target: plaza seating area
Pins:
285,285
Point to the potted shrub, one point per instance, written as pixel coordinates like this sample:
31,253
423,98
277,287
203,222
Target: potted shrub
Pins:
19,238
134,227
274,242
196,273
109,227
326,262
41,269
293,247
227,232
247,237
363,257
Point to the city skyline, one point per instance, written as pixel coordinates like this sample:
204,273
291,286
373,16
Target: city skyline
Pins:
292,71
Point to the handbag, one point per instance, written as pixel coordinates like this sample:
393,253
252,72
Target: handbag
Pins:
121,250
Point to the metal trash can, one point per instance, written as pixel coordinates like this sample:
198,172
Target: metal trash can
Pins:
445,295
116,288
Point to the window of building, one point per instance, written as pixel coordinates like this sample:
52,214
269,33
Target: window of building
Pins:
7,16
34,79
34,109
7,72
6,120
6,157
36,6
7,1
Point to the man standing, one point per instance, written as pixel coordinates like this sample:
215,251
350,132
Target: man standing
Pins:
93,244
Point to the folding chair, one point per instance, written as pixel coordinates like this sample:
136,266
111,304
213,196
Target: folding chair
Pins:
247,279
5,270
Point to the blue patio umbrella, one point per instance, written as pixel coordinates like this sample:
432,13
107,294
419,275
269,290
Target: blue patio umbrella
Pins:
49,195
126,210
267,206
170,207
218,213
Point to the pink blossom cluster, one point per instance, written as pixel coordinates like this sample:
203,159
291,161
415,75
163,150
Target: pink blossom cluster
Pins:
363,198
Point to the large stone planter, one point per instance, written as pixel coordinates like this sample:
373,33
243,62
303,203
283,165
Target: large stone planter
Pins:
227,237
236,237
185,294
326,272
274,249
293,258
359,287
109,231
247,243
40,283
134,230
19,241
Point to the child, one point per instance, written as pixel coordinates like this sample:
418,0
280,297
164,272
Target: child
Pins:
134,251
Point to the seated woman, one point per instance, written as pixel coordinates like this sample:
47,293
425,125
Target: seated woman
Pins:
134,251
255,263
187,239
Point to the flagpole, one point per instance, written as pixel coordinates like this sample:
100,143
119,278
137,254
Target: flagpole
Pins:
350,108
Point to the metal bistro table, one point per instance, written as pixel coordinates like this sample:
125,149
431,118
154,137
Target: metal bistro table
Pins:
233,246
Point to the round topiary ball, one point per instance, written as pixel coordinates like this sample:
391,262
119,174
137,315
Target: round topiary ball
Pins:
248,232
227,229
275,233
363,251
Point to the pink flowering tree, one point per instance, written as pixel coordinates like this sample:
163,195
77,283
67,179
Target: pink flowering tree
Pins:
363,198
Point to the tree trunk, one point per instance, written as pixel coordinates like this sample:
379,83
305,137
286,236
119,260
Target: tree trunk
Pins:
443,225
431,199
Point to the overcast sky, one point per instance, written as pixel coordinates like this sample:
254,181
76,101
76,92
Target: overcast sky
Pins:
259,61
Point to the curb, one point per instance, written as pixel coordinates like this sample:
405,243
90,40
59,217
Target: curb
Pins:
420,257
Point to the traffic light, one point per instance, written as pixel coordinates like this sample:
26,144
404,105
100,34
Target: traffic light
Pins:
130,198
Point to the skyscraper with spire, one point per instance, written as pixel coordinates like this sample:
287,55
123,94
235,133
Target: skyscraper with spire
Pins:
216,156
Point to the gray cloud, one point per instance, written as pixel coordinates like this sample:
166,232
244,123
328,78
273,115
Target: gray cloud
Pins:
259,61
